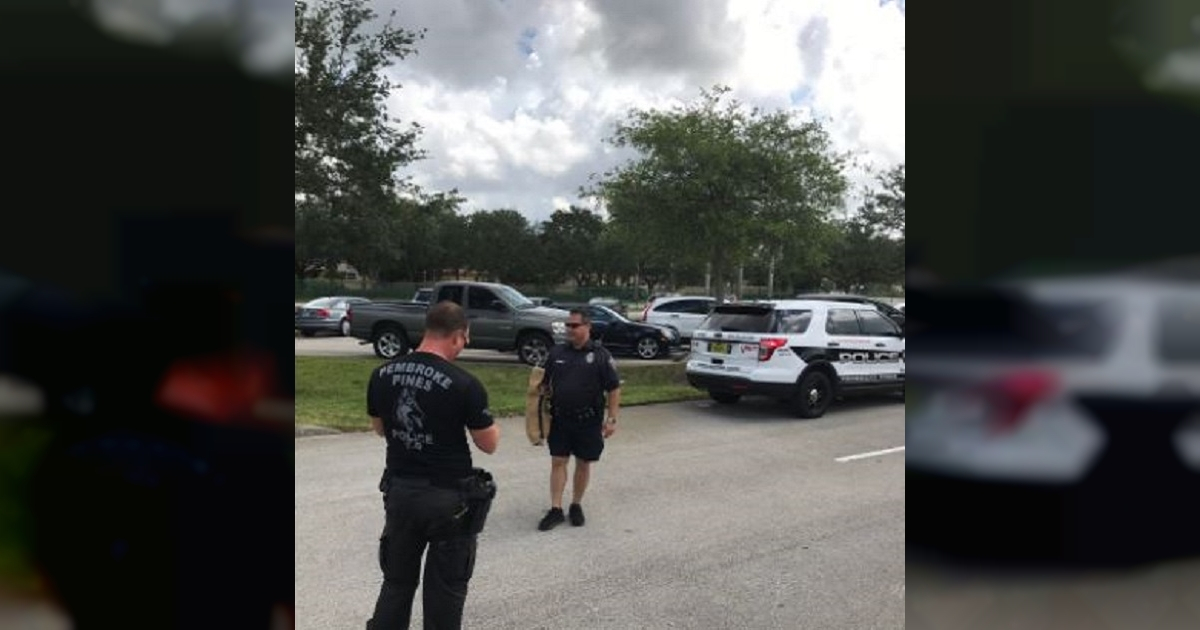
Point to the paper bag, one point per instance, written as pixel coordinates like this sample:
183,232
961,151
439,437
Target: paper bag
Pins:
537,409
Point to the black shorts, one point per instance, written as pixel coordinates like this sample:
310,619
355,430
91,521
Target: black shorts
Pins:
583,439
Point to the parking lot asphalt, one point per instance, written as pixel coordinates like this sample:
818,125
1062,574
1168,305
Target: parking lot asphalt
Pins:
699,516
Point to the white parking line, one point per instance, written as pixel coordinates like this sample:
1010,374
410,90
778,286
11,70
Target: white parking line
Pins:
885,451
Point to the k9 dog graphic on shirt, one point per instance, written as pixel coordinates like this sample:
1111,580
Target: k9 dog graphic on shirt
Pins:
410,422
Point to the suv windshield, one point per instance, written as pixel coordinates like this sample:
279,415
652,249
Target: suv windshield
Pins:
756,319
991,323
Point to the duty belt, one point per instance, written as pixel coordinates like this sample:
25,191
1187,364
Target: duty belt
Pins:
434,482
474,477
578,415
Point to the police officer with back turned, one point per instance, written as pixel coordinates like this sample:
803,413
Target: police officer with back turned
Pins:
424,406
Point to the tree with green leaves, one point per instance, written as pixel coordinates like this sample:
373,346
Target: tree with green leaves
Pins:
502,245
427,241
348,149
614,261
570,243
652,265
870,246
883,217
715,181
884,207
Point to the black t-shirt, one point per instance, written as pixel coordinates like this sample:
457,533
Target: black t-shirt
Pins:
425,403
580,377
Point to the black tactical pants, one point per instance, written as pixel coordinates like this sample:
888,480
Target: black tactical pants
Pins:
420,517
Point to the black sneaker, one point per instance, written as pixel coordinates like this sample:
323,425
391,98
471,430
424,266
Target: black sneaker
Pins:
576,513
552,519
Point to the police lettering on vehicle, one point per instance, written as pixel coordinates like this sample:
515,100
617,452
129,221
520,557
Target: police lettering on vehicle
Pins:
869,357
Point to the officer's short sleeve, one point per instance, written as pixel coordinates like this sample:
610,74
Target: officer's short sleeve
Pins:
478,415
548,367
375,406
608,372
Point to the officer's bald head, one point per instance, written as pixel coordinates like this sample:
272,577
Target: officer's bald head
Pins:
445,319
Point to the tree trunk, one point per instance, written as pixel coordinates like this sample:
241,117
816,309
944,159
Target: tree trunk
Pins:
718,274
771,280
637,281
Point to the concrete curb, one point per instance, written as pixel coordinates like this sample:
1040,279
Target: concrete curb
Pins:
305,430
308,430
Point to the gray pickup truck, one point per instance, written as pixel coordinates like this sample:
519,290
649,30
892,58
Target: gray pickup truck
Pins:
501,319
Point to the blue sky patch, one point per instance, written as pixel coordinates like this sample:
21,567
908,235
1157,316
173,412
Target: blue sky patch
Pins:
525,42
801,96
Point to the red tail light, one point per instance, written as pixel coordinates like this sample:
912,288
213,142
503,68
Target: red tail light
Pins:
767,347
220,388
1013,395
322,313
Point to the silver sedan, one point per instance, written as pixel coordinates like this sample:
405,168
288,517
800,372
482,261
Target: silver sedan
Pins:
327,314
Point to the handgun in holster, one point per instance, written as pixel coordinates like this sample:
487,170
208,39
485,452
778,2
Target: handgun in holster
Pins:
477,491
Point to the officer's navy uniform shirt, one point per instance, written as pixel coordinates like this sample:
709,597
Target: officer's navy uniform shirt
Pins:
579,378
426,403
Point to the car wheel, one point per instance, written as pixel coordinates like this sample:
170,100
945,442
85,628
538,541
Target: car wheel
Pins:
344,328
813,396
390,343
534,348
725,398
648,348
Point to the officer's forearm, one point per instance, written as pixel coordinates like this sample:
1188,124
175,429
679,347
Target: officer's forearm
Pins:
377,424
614,402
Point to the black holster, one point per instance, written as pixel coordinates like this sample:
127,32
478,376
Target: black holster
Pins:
385,484
477,490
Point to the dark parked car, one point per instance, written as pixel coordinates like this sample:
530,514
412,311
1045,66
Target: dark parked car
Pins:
621,335
327,314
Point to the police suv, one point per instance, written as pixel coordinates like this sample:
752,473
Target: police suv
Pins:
1071,401
805,353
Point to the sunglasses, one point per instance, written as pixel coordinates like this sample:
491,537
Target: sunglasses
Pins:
575,324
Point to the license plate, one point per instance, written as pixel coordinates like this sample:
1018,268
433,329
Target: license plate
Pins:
717,346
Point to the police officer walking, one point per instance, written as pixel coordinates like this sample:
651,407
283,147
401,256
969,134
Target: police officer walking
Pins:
579,375
434,498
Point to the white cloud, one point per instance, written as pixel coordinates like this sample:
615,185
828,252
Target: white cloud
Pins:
517,96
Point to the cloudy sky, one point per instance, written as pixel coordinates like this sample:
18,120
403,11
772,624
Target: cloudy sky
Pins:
517,96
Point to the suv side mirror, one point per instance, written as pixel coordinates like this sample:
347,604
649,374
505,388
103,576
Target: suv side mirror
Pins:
499,306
